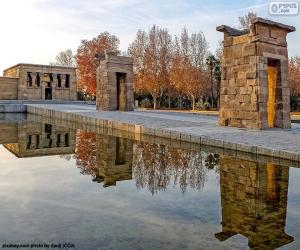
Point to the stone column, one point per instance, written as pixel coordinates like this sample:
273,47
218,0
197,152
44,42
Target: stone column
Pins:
33,77
53,86
43,90
63,80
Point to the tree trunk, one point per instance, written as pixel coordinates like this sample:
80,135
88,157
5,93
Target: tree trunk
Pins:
169,102
154,102
193,102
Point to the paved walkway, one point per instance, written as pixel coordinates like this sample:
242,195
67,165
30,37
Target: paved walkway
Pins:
192,127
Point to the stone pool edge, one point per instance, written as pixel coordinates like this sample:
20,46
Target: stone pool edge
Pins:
161,132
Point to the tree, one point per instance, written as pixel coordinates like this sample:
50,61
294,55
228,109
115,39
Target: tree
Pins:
214,68
152,55
85,152
65,58
86,62
218,68
157,166
294,80
218,77
245,21
220,50
211,62
188,64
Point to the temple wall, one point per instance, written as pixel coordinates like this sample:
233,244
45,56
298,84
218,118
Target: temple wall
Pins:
34,91
245,94
8,88
254,202
9,132
36,139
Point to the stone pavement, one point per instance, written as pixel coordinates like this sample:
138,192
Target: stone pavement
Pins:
187,127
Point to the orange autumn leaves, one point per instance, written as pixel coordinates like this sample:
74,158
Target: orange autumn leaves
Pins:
167,65
154,166
294,76
87,63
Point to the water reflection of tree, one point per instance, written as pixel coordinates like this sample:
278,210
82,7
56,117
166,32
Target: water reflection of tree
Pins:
157,166
154,166
85,153
212,161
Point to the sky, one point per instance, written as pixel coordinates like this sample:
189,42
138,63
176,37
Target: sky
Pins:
35,31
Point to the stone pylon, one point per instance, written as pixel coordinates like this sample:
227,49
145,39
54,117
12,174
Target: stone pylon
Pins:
115,83
254,89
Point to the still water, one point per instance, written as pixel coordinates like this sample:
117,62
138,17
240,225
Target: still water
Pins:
60,184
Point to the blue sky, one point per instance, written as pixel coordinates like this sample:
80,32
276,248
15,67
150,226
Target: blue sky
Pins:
34,31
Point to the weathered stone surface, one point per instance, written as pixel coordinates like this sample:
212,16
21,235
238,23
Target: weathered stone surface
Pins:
249,197
248,83
38,139
8,88
115,83
38,82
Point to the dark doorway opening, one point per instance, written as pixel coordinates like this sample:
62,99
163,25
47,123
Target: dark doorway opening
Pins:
120,151
48,133
48,92
121,91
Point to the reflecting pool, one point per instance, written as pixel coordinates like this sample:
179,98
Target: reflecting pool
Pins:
101,189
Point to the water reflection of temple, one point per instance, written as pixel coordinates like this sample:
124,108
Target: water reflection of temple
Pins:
114,159
28,139
254,202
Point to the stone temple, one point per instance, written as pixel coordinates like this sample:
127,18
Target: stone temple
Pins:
38,82
254,89
115,83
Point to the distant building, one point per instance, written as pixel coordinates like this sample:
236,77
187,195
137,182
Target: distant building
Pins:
38,82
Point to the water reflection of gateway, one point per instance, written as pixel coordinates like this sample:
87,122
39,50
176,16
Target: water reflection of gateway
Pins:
114,159
254,202
26,139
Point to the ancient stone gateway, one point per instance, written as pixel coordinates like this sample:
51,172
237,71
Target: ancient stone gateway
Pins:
115,83
254,202
114,159
254,89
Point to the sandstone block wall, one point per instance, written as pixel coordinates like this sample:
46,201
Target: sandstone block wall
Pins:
114,159
110,96
33,91
40,139
9,132
254,202
8,88
245,88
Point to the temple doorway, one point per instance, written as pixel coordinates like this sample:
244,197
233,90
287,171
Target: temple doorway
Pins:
274,104
121,91
48,92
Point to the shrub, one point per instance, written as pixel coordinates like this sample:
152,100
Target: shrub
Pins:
146,103
202,105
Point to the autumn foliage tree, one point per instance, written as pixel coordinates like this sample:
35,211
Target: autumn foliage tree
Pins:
294,80
85,153
152,56
86,62
188,69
